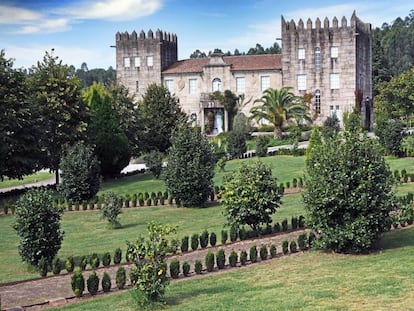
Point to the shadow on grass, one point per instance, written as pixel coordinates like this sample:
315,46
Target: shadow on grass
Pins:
397,239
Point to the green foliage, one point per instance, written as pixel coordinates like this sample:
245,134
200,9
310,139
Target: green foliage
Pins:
293,247
220,259
94,261
204,239
407,145
69,264
261,145
117,256
330,127
221,163
194,241
253,254
302,240
301,221
80,174
111,209
273,251
148,254
106,282
213,239
120,278
236,144
390,134
83,263
250,196
285,225
198,267
106,259
209,260
285,247
224,236
77,282
92,283
311,238
234,233
186,268
184,244
276,227
37,223
43,266
56,265
315,140
133,276
233,259
263,252
294,222
174,268
153,161
190,169
348,193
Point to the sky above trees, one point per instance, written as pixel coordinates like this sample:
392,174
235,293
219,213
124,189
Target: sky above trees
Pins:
83,30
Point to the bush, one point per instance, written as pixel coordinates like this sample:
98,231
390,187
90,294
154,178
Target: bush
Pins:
106,259
43,266
224,237
194,241
186,268
198,267
221,259
243,257
276,227
294,222
273,251
56,266
213,239
174,268
293,247
92,283
285,247
301,221
106,282
302,239
311,238
261,145
243,235
94,261
233,233
111,209
153,160
133,275
120,278
285,225
233,259
117,256
78,283
83,263
174,245
37,223
184,244
69,264
204,239
263,252
209,261
253,254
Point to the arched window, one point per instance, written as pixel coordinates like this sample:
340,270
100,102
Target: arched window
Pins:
318,101
317,59
216,85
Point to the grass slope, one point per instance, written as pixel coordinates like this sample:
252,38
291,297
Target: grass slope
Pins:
382,280
39,176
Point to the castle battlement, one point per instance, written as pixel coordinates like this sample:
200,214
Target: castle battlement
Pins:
159,36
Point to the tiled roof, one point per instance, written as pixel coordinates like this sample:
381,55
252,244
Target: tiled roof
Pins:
237,63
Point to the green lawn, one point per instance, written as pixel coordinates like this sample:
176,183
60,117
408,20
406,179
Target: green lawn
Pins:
382,280
39,176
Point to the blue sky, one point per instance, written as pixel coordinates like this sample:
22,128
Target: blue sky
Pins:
83,30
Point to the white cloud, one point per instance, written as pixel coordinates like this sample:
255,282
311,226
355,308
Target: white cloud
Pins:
46,26
114,10
13,15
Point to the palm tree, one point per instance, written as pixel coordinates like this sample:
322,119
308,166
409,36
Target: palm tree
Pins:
278,107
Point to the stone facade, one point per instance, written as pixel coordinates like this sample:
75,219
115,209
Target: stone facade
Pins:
330,62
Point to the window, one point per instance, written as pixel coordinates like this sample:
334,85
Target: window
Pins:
126,62
216,85
137,86
334,81
137,62
334,52
317,59
170,85
334,110
301,53
240,85
264,83
318,101
301,82
150,61
192,86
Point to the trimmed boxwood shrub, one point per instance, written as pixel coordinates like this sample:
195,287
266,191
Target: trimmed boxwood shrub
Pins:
294,222
92,283
224,236
276,227
233,233
284,224
209,261
77,282
120,278
43,266
56,266
253,254
273,251
285,247
213,239
186,268
301,222
243,257
311,238
233,259
194,241
293,247
302,239
106,282
117,256
106,259
69,264
221,259
184,244
83,263
263,252
94,261
243,234
204,239
198,267
174,268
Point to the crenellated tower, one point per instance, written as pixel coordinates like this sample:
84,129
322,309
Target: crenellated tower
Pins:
331,61
140,59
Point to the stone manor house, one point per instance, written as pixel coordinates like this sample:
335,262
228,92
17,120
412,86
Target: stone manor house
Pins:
332,62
